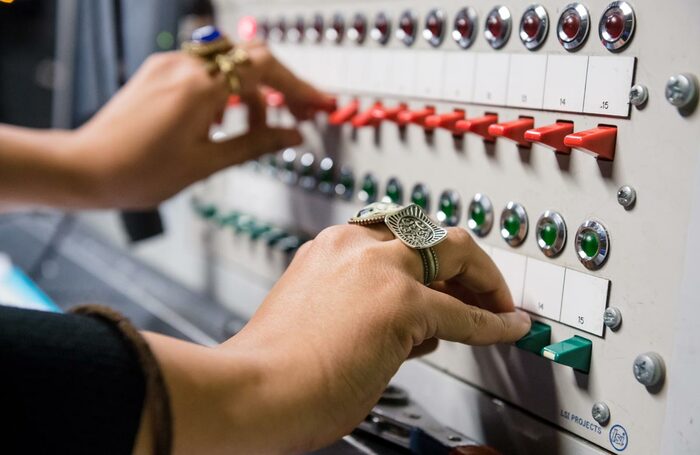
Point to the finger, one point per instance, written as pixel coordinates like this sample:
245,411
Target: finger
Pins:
424,348
248,146
453,320
257,109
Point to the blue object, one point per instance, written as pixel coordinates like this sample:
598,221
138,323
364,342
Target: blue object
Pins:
206,34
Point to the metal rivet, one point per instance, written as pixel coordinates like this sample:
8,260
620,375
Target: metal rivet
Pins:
612,318
626,196
681,90
601,413
648,369
639,95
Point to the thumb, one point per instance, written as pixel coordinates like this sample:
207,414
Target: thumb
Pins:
250,145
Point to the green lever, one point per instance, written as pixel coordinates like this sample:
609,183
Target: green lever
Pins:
574,352
539,336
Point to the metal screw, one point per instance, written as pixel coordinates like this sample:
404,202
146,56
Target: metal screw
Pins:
648,369
638,95
612,318
601,413
681,90
626,196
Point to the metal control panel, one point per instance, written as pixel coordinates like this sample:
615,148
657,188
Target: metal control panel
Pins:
563,136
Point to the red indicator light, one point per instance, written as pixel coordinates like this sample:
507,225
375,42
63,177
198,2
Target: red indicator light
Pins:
495,25
531,24
463,26
571,24
614,24
247,28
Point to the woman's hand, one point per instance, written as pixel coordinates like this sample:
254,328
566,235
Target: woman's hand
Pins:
330,335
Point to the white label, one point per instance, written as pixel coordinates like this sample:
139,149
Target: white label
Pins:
403,64
584,301
491,81
565,84
608,85
335,64
357,69
458,81
380,74
526,80
429,71
544,284
512,266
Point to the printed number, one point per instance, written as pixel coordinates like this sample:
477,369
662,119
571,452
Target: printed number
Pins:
562,101
540,306
488,95
605,105
523,98
580,320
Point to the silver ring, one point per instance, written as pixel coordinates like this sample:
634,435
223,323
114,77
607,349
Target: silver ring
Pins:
431,266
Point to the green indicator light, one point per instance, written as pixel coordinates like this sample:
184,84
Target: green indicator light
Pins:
326,176
369,187
478,214
512,224
447,207
536,339
590,244
165,40
393,192
420,199
548,234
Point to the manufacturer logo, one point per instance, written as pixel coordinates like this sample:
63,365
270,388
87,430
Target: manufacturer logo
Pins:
618,437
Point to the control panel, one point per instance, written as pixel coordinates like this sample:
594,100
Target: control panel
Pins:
563,136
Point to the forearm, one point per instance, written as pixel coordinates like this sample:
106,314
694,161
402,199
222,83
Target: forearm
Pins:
41,167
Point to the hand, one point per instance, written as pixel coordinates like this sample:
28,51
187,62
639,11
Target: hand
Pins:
152,139
331,334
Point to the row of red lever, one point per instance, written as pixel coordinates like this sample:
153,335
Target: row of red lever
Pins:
560,136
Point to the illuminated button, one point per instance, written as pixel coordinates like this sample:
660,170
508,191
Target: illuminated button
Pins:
335,32
346,183
415,117
279,30
368,192
478,125
247,28
326,177
464,28
497,27
358,30
574,352
551,233
314,33
381,113
534,26
616,26
446,121
406,32
480,215
421,196
296,33
514,224
344,114
434,29
381,32
288,171
573,26
307,172
552,136
515,130
539,337
599,142
592,244
449,208
394,192
367,117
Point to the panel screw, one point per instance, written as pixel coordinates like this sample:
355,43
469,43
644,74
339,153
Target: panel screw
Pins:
638,95
601,413
626,196
612,318
681,90
648,369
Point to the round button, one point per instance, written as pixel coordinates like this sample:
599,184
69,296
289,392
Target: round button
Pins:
346,183
296,32
573,26
406,33
421,196
326,177
480,215
464,28
335,32
497,27
279,31
288,173
434,29
616,26
394,192
514,224
592,244
307,171
534,26
314,32
551,233
358,30
449,208
368,192
382,28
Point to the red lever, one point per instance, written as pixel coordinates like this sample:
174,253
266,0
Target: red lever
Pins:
381,113
446,121
344,114
366,118
478,125
234,100
515,130
552,136
417,117
599,142
273,98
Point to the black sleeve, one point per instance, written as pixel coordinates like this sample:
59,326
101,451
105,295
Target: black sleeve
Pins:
68,384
